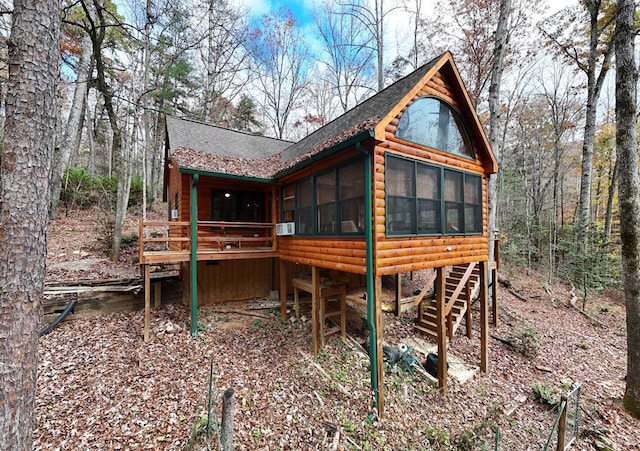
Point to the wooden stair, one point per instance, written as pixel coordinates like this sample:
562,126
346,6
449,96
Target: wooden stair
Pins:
427,317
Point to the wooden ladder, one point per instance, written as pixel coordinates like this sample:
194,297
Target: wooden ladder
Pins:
464,291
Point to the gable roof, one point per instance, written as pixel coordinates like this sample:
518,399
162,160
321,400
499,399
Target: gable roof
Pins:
371,110
215,149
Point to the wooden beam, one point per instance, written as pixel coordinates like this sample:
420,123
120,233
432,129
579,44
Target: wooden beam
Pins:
426,287
379,343
398,293
468,312
442,333
157,293
484,319
494,297
283,290
315,308
147,301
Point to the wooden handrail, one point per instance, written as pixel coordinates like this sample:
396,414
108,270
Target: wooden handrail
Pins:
219,236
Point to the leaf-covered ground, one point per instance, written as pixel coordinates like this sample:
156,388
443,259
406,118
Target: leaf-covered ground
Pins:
101,387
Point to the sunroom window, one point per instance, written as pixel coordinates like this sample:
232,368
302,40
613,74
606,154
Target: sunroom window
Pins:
431,122
424,199
327,204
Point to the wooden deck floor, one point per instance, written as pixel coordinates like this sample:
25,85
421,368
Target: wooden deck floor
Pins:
156,257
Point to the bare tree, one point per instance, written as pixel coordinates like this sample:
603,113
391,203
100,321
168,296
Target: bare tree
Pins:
33,58
97,19
562,30
348,47
629,192
281,58
225,60
72,134
497,68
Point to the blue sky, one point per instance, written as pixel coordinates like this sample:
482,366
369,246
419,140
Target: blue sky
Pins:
302,9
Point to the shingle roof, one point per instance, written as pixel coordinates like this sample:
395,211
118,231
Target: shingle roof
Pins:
210,148
210,139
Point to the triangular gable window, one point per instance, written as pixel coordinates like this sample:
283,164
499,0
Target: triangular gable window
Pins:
433,123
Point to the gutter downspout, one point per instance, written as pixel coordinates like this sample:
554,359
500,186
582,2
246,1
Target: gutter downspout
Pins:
373,333
194,255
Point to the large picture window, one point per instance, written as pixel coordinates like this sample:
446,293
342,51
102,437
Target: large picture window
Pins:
423,199
434,123
328,204
237,206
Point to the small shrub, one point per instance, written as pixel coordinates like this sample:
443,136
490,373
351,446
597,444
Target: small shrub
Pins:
545,394
526,340
437,437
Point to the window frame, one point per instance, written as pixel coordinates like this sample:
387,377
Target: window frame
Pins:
460,125
443,228
335,206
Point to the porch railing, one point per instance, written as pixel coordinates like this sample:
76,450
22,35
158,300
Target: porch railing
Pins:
167,236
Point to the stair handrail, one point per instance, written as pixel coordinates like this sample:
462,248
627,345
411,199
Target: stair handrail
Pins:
454,297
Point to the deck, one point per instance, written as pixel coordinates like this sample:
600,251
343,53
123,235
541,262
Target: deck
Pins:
170,241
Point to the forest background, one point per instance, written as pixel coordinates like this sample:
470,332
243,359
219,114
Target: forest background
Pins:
539,80
126,63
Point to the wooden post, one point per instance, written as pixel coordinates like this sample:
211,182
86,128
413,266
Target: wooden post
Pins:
228,407
283,290
315,308
157,293
562,424
484,319
442,333
468,312
494,297
379,342
147,301
398,293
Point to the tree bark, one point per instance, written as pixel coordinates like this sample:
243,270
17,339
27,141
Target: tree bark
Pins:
494,113
228,409
594,87
629,193
95,13
73,131
33,56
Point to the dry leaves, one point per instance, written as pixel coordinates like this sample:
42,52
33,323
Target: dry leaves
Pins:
101,387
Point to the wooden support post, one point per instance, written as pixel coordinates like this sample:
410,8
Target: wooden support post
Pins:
147,301
484,319
157,293
468,312
398,294
315,308
494,297
228,410
283,290
442,335
562,425
379,342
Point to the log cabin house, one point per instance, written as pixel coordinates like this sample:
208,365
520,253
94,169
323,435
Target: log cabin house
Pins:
397,184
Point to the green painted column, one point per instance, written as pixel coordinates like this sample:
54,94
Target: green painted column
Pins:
194,256
373,333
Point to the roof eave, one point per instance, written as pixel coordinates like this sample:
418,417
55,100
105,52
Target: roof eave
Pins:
351,141
225,175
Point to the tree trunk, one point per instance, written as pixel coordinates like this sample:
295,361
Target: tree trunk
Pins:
629,193
94,10
33,57
73,131
594,87
494,113
608,220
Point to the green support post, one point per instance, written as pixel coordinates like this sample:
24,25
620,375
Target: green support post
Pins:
194,256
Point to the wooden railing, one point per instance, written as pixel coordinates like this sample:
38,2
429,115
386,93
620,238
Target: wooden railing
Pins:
167,236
